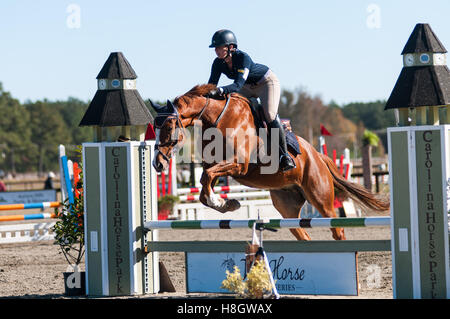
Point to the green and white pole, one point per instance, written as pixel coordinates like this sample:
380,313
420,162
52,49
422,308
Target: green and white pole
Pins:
272,223
419,163
120,196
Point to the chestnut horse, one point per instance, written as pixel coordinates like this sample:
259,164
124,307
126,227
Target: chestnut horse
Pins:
315,177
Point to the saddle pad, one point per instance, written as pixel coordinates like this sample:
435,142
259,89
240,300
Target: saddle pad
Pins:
292,142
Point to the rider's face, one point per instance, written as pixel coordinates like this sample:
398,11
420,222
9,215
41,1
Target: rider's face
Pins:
222,51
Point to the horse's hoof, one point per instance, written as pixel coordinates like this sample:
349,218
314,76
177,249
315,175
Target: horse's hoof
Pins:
232,204
215,201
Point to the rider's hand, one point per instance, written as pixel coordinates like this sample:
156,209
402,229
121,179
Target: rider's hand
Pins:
216,94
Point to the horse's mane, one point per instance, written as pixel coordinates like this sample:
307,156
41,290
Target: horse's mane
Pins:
198,90
201,90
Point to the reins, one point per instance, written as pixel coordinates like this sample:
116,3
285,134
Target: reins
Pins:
228,98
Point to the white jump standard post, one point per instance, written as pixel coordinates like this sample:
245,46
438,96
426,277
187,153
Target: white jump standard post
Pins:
119,187
419,164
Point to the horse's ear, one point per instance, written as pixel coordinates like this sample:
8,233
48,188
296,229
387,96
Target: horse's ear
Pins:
170,107
158,108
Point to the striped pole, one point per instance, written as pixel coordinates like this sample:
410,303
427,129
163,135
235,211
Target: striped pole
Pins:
76,179
169,185
41,205
158,191
324,147
163,183
272,223
347,170
66,177
9,218
233,188
228,196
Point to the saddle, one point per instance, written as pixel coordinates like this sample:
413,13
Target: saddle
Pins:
260,122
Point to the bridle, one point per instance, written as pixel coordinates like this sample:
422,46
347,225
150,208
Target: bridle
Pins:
162,118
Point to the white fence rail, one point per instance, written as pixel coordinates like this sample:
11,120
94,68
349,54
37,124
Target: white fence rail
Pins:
20,233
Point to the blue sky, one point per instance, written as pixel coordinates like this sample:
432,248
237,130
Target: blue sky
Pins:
341,50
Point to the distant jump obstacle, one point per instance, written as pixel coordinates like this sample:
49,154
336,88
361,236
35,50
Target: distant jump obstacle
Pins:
19,233
37,231
9,218
41,205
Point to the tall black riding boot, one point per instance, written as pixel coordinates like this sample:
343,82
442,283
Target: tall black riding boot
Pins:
286,161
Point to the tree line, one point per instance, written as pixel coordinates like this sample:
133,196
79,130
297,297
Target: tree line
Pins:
31,132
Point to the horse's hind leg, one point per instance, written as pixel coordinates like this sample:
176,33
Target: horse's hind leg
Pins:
324,202
289,203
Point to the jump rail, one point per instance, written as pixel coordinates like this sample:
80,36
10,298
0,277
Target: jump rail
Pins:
273,223
41,205
9,218
232,188
228,196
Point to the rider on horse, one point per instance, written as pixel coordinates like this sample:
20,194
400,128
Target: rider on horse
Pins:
251,80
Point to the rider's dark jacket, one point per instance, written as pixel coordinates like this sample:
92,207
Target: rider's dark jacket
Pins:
244,71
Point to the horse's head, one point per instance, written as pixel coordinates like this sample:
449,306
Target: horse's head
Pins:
171,121
169,134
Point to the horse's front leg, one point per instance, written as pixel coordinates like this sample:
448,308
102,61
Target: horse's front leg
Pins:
207,196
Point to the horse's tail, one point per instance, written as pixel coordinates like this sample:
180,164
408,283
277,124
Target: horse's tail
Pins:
346,189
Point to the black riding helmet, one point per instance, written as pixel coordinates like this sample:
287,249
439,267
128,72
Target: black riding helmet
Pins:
223,37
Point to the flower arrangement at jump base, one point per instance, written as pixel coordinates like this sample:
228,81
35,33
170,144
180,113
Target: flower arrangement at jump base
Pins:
69,235
69,230
256,285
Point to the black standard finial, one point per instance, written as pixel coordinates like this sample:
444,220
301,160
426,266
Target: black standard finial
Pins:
117,102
